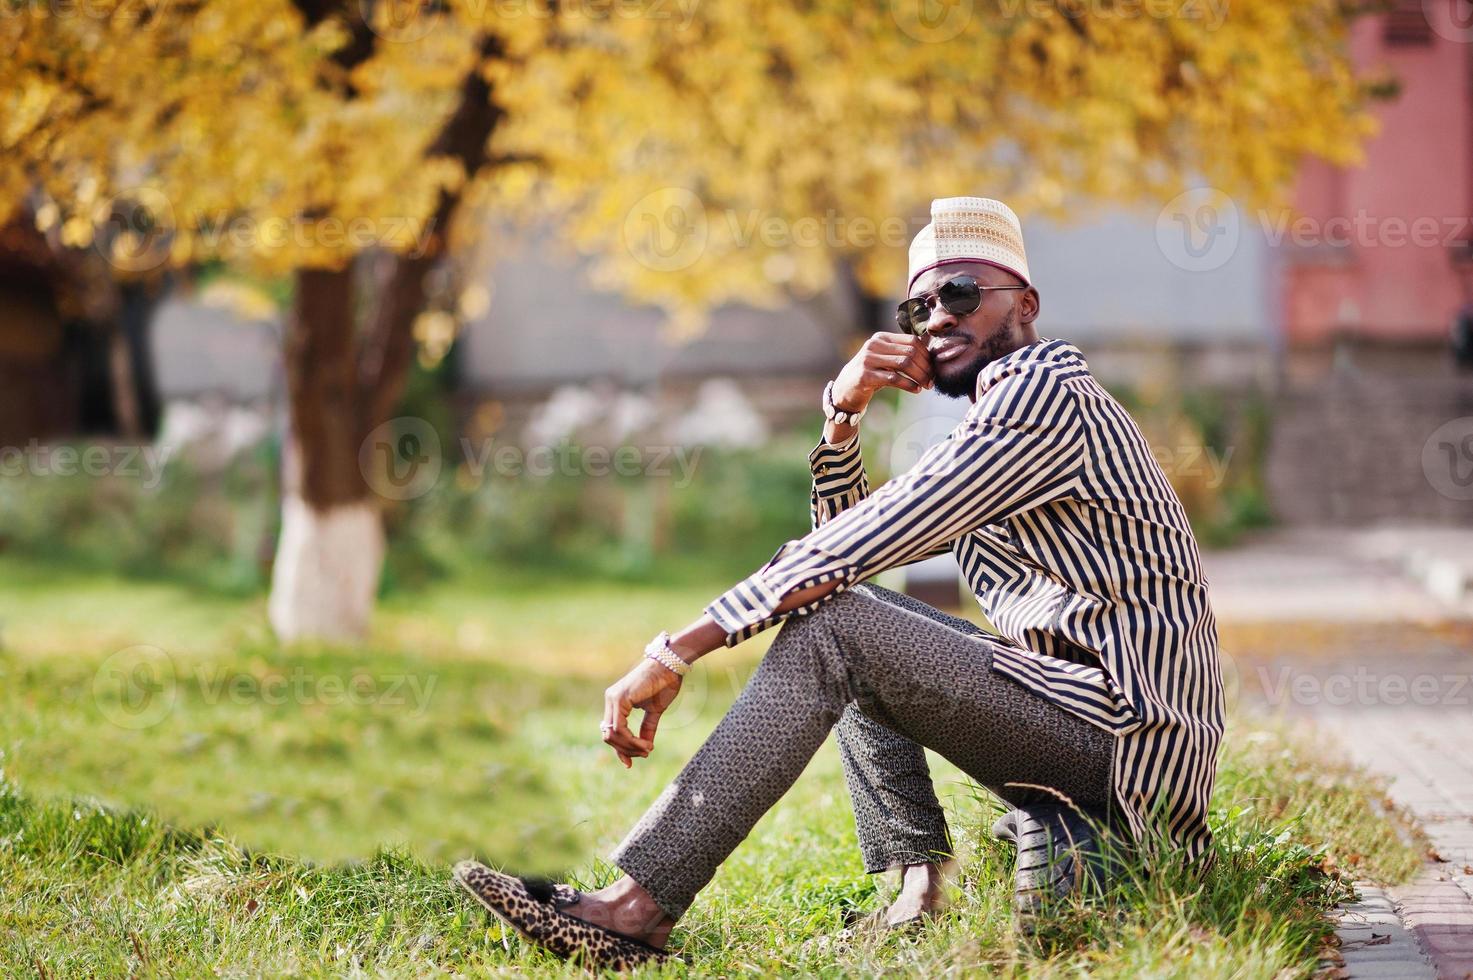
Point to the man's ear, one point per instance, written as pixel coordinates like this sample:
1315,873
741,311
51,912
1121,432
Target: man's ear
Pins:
1028,305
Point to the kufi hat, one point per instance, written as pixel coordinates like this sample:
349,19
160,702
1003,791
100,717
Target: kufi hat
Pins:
969,229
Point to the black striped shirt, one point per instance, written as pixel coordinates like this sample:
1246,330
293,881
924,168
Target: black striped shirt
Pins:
1079,552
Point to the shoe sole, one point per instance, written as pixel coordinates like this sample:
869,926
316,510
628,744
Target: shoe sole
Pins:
1053,844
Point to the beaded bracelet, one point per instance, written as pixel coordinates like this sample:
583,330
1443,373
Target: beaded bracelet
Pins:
660,652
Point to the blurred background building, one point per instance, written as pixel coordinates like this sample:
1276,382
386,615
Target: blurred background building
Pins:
1341,315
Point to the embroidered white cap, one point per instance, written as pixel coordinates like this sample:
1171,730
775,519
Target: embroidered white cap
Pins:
969,229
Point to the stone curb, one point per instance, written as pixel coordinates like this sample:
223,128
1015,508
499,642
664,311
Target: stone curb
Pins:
1427,924
1374,942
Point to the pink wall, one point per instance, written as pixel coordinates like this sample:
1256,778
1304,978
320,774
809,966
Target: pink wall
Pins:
1417,177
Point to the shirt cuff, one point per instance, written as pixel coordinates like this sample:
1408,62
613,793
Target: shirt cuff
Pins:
839,480
836,467
750,606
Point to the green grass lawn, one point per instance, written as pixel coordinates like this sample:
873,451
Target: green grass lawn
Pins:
181,796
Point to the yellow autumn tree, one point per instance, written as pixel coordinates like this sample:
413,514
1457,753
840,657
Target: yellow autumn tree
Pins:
699,152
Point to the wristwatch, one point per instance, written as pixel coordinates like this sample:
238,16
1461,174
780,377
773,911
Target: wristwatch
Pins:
836,414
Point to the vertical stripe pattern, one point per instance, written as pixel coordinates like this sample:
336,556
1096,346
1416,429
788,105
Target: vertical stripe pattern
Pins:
1079,552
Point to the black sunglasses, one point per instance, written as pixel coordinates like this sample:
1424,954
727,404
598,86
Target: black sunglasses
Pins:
959,297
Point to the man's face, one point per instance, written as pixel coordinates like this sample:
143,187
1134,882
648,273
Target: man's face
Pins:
960,347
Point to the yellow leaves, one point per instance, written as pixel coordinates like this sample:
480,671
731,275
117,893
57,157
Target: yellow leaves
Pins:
754,121
26,105
46,216
76,232
474,302
434,331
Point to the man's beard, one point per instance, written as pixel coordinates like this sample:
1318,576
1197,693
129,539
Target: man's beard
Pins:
961,381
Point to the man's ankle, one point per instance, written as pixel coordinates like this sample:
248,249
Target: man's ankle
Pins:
923,881
931,872
636,907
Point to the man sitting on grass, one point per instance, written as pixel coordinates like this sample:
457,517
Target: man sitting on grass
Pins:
1099,705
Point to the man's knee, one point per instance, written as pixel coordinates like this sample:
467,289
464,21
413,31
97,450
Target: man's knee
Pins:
818,642
842,603
873,591
830,615
851,726
860,734
855,645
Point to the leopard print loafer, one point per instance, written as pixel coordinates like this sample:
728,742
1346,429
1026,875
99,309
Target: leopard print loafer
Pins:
534,910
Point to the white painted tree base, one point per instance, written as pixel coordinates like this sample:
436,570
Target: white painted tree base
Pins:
326,573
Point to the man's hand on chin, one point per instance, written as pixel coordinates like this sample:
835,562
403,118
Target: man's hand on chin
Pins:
884,360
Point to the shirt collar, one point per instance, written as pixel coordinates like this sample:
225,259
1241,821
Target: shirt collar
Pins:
1059,352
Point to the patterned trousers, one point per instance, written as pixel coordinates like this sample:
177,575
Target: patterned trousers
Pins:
891,675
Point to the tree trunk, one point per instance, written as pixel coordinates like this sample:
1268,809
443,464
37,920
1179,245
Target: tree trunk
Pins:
332,545
138,300
327,568
342,384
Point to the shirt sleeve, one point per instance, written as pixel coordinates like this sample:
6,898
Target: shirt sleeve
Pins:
1018,447
839,480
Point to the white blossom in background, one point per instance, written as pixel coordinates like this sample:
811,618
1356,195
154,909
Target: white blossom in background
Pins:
633,413
184,424
569,409
245,427
209,433
721,416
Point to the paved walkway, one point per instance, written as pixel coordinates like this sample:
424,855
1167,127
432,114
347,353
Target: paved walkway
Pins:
1345,576
1369,634
1423,929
